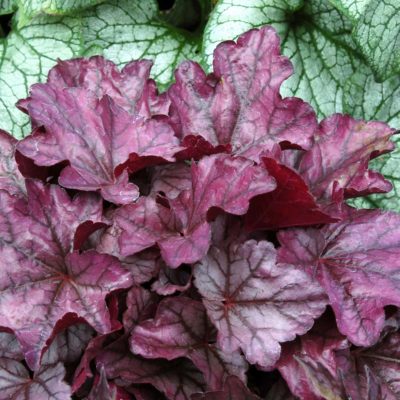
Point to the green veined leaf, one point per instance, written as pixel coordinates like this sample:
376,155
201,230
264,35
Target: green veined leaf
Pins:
352,8
7,6
28,9
27,55
120,30
378,34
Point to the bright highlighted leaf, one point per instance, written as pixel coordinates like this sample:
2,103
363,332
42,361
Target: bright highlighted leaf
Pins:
255,303
101,147
241,105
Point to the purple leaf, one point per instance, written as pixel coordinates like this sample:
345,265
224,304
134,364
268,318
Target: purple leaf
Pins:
240,103
130,88
374,371
9,347
171,179
99,145
11,179
68,345
141,304
137,227
219,181
181,329
339,157
46,384
143,266
310,367
233,389
177,379
38,263
170,281
182,232
357,263
254,302
101,390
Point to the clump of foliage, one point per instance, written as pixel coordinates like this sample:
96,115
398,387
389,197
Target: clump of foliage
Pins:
195,243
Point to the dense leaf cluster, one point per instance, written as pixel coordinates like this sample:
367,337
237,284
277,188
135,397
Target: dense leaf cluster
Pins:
194,244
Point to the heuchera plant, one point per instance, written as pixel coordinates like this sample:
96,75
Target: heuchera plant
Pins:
194,244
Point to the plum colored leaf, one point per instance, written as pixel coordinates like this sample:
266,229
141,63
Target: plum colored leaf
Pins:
9,347
234,389
137,227
356,262
68,345
141,305
101,389
181,329
177,379
95,346
195,147
143,265
330,71
171,179
170,281
255,303
11,179
290,204
131,88
374,371
315,36
241,104
38,262
339,158
107,138
218,181
310,368
182,232
46,384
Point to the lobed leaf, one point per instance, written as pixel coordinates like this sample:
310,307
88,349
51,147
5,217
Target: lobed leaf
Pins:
254,303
